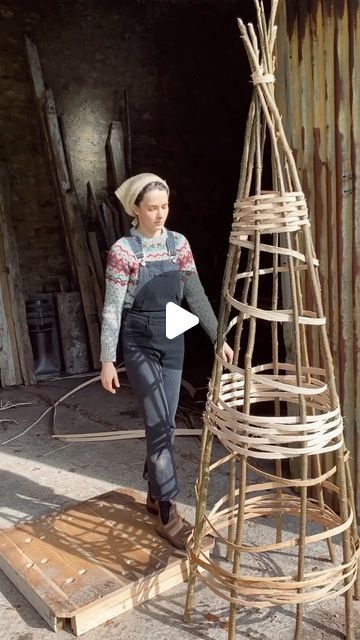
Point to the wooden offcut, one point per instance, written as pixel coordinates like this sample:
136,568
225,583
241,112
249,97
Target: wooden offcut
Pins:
83,566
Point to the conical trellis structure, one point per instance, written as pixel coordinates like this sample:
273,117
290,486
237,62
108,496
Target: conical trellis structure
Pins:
273,410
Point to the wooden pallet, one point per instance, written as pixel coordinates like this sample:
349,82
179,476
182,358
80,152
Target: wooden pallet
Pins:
91,562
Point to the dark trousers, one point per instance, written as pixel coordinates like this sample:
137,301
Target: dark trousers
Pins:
154,369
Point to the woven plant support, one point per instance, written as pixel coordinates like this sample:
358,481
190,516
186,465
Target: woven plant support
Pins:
273,410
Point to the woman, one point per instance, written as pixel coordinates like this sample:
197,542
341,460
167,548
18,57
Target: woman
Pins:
146,269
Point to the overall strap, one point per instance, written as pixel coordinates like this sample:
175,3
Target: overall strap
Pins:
136,245
170,243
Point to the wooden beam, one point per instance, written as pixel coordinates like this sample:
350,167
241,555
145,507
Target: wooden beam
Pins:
16,298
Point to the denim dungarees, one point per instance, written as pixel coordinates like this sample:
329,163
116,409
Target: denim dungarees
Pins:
154,363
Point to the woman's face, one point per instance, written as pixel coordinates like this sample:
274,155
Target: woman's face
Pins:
153,211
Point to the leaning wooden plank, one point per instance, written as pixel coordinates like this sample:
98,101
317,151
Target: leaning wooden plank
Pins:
39,93
98,217
99,300
115,145
73,332
56,141
115,142
35,69
9,358
99,268
116,215
8,375
14,280
67,156
108,223
79,242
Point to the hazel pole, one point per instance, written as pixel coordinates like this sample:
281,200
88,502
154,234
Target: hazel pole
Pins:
261,86
316,458
247,385
267,43
244,186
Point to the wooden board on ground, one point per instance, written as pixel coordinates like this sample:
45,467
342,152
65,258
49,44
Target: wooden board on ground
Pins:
91,562
73,332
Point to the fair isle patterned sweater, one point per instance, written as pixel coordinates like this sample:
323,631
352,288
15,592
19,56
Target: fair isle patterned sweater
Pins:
122,273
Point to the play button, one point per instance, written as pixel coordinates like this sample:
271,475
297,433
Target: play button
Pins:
178,320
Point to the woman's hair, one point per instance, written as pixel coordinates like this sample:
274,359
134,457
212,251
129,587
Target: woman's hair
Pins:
150,187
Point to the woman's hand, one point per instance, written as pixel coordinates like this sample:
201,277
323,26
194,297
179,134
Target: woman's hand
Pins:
109,377
227,353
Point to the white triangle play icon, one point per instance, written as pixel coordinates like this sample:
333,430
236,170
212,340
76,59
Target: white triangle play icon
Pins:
178,320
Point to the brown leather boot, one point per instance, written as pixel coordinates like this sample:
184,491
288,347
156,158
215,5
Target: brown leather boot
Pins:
151,506
176,530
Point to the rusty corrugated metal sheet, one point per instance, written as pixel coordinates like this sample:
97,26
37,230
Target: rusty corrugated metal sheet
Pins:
318,91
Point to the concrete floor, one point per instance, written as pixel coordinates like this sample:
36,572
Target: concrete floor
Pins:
39,473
